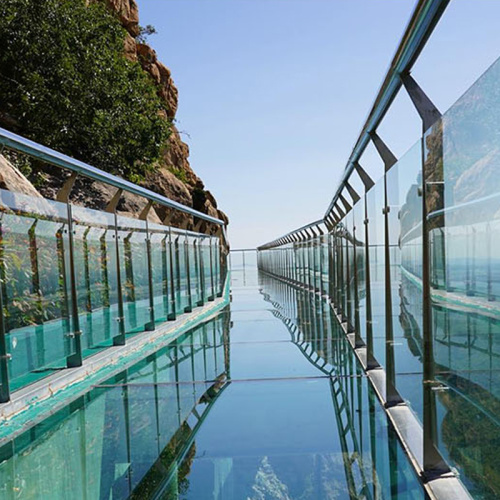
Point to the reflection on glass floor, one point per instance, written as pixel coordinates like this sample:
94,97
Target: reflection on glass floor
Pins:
274,408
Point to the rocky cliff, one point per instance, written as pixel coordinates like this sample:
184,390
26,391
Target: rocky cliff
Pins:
172,175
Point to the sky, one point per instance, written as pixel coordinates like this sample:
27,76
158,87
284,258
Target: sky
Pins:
273,93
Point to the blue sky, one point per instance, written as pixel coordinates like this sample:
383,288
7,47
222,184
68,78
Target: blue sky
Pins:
273,93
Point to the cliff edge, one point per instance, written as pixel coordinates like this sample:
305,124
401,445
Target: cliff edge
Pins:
170,174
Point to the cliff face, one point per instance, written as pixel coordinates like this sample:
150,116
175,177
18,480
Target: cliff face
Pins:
174,178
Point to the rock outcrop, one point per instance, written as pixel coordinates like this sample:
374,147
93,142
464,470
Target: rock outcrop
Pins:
173,177
12,179
161,76
128,14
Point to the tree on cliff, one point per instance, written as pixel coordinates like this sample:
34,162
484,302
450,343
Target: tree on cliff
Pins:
64,82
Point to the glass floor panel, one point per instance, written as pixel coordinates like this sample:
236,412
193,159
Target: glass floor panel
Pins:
234,409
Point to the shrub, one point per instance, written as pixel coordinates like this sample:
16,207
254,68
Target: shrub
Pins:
64,79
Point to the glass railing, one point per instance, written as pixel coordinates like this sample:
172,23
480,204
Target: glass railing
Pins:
75,280
129,275
443,195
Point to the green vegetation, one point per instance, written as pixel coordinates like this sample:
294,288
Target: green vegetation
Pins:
145,32
65,82
179,173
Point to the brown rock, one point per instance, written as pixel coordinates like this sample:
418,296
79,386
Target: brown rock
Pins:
130,48
222,216
168,91
166,183
12,179
176,155
211,199
128,14
162,77
147,54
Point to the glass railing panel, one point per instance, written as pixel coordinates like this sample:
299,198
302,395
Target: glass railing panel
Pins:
319,265
303,251
195,277
173,262
305,263
289,262
160,270
206,248
349,267
463,192
96,277
296,271
375,202
332,275
35,286
346,303
181,289
188,277
308,263
340,268
313,252
324,265
337,266
132,238
404,185
216,256
298,262
290,255
360,262
285,261
316,264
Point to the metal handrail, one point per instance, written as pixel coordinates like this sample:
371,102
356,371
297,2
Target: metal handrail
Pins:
36,150
287,237
424,19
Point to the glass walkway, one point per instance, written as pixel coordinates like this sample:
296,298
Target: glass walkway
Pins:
264,401
355,357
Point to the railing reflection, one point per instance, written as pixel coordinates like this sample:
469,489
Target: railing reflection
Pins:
132,436
374,464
